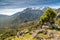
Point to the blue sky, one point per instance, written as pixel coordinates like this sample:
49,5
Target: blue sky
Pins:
10,7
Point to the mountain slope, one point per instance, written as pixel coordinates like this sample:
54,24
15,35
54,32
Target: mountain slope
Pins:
28,14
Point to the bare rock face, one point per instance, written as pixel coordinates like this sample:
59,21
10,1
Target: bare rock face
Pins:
53,35
20,34
48,25
45,26
47,34
39,38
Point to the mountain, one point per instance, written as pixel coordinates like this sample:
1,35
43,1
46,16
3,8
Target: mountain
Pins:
28,14
3,18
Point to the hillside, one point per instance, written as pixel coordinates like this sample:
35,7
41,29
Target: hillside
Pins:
36,34
30,31
3,18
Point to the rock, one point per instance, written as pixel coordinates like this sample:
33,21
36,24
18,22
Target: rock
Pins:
39,38
20,34
45,27
45,32
41,31
57,37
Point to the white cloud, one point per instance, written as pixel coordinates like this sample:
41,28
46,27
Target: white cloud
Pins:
55,7
10,11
